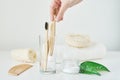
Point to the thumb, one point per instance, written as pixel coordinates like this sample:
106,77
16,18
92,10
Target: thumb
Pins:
61,12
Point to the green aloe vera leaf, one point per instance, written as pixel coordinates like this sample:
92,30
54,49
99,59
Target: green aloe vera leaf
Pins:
90,72
90,67
94,65
84,69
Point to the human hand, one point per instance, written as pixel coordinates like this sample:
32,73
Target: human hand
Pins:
58,8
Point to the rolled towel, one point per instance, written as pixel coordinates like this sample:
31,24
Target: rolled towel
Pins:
95,51
24,55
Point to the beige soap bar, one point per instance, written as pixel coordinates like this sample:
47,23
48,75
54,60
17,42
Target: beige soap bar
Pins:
24,55
18,69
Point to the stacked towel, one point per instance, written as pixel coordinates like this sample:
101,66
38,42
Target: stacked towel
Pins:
94,51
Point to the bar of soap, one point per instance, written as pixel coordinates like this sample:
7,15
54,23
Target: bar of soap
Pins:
18,69
24,55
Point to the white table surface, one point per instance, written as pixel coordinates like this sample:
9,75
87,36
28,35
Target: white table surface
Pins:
112,61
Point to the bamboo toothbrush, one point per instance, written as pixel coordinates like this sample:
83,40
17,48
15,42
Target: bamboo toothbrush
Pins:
52,35
52,38
46,47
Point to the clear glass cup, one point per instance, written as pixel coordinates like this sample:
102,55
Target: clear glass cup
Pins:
47,62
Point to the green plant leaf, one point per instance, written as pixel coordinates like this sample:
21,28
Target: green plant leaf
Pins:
89,67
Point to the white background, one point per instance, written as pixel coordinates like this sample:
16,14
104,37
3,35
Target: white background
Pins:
21,22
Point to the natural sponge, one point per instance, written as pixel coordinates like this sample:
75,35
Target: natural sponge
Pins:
24,55
78,40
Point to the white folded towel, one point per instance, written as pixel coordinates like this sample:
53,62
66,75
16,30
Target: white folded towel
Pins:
94,51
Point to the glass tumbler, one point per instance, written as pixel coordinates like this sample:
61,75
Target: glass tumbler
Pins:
47,62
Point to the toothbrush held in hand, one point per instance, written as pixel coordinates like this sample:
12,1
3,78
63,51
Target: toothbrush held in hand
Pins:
52,35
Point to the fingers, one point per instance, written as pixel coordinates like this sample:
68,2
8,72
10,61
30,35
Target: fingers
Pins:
61,12
59,7
54,8
65,4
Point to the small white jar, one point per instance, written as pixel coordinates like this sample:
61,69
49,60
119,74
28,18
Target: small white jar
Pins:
71,66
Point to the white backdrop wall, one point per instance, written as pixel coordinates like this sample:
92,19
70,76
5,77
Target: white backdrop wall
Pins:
21,22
